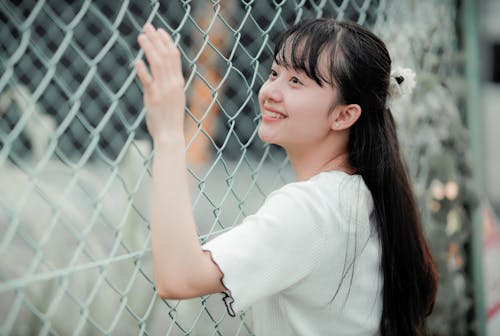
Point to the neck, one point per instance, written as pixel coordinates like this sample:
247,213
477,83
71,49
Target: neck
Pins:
312,160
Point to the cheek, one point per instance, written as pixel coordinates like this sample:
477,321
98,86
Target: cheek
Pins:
314,107
313,114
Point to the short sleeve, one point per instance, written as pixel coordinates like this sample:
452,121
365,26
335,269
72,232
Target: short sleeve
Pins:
270,250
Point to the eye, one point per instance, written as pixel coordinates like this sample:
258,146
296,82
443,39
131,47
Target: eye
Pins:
295,80
273,74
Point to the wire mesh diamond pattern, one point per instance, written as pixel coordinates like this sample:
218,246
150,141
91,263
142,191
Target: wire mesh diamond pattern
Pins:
75,155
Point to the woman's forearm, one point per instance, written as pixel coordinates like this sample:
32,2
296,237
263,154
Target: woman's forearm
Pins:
174,240
182,269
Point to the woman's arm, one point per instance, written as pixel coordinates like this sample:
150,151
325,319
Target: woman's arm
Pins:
182,269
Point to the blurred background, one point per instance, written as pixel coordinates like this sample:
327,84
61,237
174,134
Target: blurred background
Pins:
488,150
489,29
75,155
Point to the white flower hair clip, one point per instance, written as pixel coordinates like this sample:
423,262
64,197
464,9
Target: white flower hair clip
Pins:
401,83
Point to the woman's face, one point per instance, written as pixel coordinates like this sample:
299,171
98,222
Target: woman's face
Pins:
295,109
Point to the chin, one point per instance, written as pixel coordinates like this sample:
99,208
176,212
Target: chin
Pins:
265,137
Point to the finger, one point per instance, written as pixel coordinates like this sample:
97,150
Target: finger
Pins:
154,36
143,74
166,39
152,56
165,50
175,64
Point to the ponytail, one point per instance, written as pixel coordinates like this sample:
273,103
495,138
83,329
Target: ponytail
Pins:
410,274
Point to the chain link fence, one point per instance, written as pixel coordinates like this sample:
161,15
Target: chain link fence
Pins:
75,155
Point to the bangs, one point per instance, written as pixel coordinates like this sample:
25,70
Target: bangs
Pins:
308,48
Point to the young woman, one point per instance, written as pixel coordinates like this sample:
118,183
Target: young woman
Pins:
341,251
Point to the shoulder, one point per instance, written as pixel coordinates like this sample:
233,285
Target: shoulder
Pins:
340,198
334,188
331,201
315,187
304,197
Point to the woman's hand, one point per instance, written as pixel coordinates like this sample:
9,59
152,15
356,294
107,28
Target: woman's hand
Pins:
163,85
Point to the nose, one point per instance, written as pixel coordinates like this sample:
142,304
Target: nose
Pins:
271,91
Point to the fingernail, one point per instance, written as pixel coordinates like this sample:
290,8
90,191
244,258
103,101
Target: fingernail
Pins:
148,26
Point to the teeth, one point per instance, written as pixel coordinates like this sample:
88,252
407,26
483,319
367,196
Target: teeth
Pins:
274,115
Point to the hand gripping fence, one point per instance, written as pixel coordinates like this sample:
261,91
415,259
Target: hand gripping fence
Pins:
75,155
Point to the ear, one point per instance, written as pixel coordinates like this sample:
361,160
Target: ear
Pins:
344,116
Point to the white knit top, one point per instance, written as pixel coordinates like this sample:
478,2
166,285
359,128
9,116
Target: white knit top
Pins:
308,262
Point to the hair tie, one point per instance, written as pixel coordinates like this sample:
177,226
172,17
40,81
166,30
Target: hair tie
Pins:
401,83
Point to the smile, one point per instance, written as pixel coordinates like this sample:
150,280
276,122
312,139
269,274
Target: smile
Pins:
270,114
273,115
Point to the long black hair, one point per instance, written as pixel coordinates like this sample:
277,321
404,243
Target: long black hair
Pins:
359,65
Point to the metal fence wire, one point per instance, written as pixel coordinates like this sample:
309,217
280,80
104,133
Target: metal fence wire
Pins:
75,156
